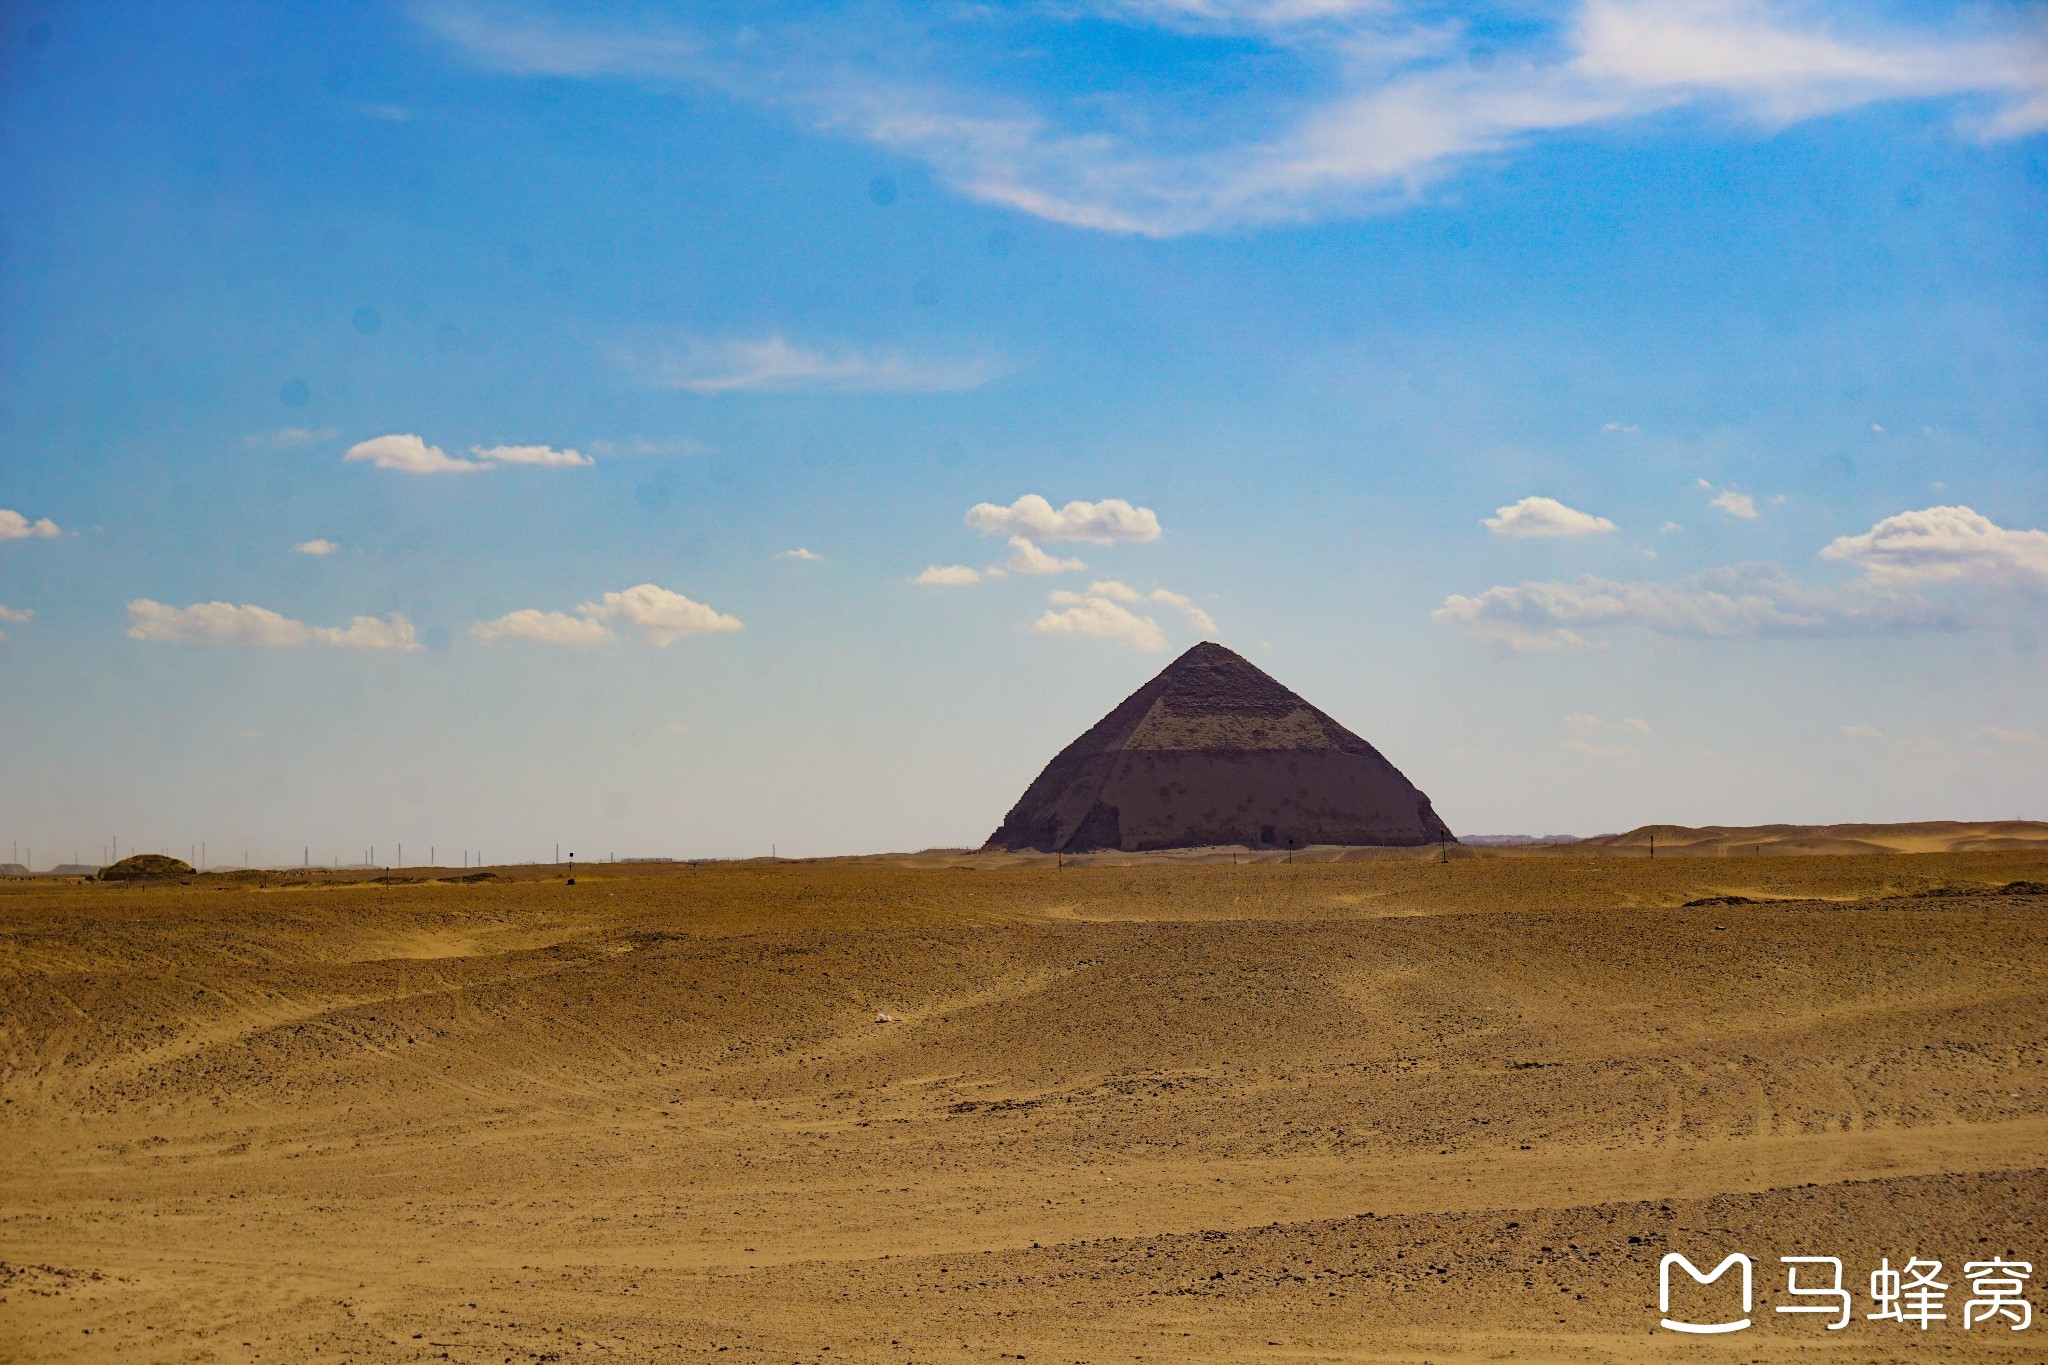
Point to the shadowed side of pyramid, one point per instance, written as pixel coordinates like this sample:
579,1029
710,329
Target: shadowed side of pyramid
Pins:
1213,751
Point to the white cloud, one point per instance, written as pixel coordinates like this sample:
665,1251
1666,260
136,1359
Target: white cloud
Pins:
1237,16
947,576
1741,506
1026,558
1951,547
315,547
1104,610
14,617
1945,545
1670,528
776,365
544,627
225,623
661,616
213,623
1105,619
1360,104
1625,428
1098,523
1745,599
1862,732
410,455
15,526
800,553
546,456
1199,619
1757,57
542,46
367,632
289,438
2010,738
1543,517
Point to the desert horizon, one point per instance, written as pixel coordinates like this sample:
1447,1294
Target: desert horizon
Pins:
1124,1106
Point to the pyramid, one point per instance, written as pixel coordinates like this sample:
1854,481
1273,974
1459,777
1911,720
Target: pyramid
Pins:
1213,751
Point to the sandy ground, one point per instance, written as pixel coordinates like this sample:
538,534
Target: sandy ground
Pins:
1178,1109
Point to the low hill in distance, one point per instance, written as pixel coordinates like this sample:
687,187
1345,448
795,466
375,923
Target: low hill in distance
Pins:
1926,836
143,865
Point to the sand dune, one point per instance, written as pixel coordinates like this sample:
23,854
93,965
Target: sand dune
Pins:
1377,1109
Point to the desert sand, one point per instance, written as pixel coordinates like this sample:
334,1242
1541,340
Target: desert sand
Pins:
1135,1107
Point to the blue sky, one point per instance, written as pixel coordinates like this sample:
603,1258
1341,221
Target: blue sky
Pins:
409,414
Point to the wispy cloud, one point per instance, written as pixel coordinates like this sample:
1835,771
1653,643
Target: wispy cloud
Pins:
1027,558
800,553
661,616
367,632
947,576
1740,506
544,628
1744,599
1368,103
1103,618
14,617
2009,738
1106,610
545,456
1936,547
1544,517
322,546
773,364
15,526
407,454
228,623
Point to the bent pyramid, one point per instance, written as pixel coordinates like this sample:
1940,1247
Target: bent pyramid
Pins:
1213,751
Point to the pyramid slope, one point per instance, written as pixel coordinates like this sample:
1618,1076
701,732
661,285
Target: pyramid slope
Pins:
1214,751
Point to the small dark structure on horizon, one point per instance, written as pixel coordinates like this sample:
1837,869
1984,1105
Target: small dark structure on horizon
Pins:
1214,751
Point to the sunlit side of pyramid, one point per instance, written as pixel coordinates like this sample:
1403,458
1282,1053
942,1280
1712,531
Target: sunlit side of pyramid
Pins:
1213,751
